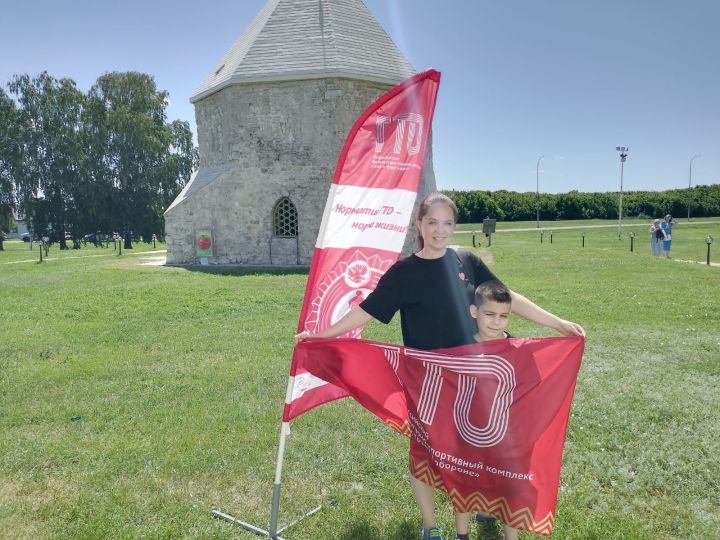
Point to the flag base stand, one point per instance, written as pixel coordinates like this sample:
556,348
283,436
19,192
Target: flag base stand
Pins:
257,530
274,532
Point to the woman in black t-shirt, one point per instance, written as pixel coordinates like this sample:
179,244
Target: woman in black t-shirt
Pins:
433,289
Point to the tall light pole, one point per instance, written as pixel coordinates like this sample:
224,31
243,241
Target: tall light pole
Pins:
623,155
537,189
690,183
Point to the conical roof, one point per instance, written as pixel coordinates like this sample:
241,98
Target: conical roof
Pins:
309,39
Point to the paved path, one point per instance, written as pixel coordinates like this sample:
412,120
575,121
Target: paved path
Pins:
697,262
49,259
563,227
154,261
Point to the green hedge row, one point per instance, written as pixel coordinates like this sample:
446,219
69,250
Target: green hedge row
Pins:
474,206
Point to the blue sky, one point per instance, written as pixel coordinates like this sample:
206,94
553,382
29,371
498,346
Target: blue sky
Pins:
567,79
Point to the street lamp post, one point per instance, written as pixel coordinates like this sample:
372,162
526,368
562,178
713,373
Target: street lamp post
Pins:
708,240
690,183
623,155
537,189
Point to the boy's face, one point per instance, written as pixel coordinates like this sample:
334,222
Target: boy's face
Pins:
492,319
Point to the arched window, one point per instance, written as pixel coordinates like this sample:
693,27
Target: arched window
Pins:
285,219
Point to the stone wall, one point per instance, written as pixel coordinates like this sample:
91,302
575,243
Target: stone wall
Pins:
275,140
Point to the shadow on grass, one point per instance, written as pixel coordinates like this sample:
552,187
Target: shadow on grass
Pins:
362,530
489,531
232,270
410,530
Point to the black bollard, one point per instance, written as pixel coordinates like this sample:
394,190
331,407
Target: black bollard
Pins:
474,245
120,246
541,236
708,240
583,241
41,248
551,235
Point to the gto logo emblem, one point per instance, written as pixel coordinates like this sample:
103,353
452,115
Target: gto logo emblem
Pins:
408,130
467,368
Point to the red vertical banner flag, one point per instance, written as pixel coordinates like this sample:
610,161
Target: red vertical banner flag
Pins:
366,218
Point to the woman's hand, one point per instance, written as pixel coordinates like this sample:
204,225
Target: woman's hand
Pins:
302,336
355,318
569,328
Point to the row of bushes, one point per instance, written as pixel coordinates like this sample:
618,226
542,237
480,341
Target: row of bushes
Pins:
474,206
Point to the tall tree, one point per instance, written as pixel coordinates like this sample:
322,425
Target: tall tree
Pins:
144,162
49,114
179,161
10,160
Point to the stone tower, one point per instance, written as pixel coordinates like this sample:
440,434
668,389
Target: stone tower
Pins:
272,118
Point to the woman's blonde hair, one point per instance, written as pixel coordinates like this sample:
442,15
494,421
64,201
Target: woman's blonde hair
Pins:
424,206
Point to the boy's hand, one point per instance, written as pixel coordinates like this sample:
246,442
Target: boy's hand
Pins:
569,328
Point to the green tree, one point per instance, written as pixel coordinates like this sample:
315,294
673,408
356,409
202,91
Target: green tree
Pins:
10,159
474,206
180,159
49,115
140,160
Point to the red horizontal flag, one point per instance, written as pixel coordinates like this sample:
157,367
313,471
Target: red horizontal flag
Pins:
487,421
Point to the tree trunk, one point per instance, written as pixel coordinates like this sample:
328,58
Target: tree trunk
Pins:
128,241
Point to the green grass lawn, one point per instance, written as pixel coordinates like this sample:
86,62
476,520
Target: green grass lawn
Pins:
135,398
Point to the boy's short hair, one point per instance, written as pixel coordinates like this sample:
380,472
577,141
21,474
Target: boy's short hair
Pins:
492,290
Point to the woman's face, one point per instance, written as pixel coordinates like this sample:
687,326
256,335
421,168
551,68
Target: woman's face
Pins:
437,226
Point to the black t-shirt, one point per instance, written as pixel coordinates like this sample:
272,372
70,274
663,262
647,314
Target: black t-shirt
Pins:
433,297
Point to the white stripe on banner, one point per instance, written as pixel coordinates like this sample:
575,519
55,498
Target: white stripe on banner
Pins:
303,383
357,216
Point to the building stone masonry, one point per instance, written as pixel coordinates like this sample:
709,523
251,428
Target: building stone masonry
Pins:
270,131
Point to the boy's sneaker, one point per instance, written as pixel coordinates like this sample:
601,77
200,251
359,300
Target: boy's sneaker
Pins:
432,534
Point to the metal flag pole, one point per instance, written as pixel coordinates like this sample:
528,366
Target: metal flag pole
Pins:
273,530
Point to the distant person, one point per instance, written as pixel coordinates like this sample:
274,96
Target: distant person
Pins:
667,229
657,237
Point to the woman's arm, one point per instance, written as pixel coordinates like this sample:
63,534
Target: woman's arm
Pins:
355,318
534,313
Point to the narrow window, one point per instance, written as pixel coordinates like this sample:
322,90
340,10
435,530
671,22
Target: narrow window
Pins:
285,220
